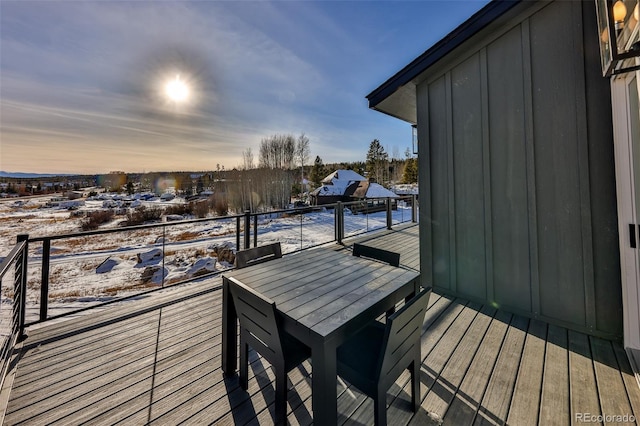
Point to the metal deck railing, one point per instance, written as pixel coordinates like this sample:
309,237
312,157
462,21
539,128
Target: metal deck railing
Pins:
59,266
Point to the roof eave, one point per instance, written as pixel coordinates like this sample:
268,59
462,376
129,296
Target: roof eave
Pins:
454,39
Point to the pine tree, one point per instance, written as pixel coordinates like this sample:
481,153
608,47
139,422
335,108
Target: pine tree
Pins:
410,174
317,172
377,160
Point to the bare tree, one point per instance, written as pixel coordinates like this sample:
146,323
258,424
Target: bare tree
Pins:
277,152
302,153
289,152
396,153
247,159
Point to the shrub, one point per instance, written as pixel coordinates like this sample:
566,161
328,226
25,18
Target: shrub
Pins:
199,208
179,209
219,204
95,219
142,215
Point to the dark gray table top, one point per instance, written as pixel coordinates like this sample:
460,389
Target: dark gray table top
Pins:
322,289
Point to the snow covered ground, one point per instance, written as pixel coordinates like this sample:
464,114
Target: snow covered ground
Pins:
90,269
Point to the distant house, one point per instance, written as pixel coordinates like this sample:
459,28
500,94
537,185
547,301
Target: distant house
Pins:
345,186
405,189
82,192
74,195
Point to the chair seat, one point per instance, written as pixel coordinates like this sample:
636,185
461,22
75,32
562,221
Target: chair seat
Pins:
295,352
353,366
260,329
376,356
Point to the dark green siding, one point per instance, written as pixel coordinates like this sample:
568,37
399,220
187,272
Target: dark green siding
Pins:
606,260
439,220
468,178
556,160
521,212
509,205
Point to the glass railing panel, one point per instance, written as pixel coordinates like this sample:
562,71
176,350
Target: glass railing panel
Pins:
296,229
34,282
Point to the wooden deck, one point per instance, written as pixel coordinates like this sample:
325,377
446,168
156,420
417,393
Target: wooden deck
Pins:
157,361
404,240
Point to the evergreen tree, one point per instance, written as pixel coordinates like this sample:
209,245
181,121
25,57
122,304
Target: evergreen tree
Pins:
410,174
377,160
317,171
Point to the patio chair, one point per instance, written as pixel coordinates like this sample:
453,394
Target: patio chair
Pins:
256,255
259,329
374,359
390,257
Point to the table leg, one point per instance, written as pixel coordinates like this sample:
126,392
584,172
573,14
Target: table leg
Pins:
229,332
324,385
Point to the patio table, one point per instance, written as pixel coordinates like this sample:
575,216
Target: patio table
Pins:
324,296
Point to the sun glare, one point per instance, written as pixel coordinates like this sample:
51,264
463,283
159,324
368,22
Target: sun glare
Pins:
177,90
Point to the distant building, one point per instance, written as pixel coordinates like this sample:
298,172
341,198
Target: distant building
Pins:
83,192
405,189
345,186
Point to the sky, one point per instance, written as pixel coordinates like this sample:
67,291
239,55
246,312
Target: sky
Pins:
83,84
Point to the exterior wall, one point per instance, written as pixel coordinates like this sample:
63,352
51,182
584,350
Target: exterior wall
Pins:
332,199
516,148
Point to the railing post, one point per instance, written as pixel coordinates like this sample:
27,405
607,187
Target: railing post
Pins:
20,287
339,219
255,231
389,214
238,233
414,208
335,221
44,285
247,229
164,250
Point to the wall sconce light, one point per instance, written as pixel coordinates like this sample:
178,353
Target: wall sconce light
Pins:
619,14
618,52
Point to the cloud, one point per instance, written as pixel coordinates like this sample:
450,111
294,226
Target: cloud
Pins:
81,82
101,82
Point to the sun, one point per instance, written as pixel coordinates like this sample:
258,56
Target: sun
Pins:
177,90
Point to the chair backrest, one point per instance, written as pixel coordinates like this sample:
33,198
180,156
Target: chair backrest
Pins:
392,258
401,342
257,315
256,255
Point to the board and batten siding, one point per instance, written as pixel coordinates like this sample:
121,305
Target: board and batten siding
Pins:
516,150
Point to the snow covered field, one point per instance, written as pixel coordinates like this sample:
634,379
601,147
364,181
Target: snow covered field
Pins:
90,269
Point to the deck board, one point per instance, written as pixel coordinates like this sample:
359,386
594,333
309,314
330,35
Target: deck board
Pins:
158,361
610,383
437,359
632,386
525,404
554,405
581,375
466,402
497,397
440,394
